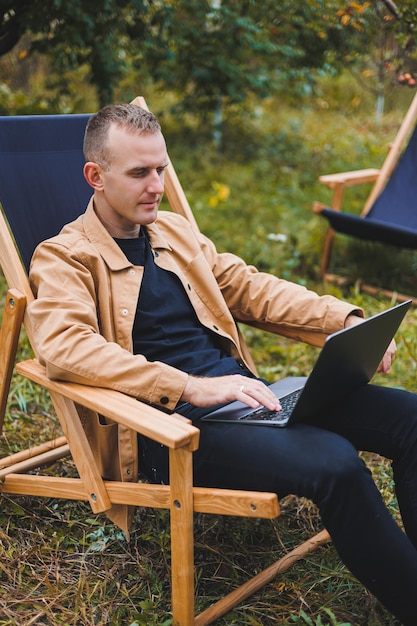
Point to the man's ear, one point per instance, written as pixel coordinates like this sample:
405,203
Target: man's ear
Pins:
92,174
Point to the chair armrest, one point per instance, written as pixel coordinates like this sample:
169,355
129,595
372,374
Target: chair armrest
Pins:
173,431
338,183
349,179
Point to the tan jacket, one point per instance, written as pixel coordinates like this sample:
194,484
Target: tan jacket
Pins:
86,294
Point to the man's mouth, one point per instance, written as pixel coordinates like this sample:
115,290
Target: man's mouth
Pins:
150,204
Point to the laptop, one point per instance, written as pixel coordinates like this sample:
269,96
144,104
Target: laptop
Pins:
349,358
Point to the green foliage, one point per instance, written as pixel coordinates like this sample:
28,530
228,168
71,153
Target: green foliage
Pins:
386,32
213,55
30,86
103,536
73,34
304,619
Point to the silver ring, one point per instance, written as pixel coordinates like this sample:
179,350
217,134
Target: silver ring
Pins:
242,387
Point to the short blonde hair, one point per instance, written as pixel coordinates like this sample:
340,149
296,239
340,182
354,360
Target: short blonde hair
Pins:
130,117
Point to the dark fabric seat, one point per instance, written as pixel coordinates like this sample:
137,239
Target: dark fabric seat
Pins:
46,143
393,216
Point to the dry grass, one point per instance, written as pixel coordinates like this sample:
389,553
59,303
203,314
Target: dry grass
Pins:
60,564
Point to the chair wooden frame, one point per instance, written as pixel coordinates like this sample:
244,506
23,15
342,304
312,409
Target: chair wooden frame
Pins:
340,181
180,497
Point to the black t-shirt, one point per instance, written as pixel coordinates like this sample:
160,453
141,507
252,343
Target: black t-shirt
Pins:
166,327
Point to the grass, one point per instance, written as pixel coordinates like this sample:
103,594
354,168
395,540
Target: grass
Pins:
59,563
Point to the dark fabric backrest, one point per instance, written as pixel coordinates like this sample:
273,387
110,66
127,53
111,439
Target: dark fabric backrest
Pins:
397,203
42,186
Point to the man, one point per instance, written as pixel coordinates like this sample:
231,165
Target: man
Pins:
133,300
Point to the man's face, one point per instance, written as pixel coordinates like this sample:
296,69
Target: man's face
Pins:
132,188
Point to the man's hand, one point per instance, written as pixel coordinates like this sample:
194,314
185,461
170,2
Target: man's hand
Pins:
207,392
388,358
385,366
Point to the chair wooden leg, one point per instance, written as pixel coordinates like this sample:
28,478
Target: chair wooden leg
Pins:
9,336
182,537
331,234
81,452
32,452
395,296
327,252
256,583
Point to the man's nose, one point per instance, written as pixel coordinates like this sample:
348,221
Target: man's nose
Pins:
156,182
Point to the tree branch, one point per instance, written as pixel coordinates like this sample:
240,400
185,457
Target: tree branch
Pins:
392,8
9,33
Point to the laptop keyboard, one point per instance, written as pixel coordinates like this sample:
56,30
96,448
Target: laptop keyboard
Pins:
287,403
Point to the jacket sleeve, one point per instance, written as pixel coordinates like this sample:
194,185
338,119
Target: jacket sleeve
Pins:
274,304
69,332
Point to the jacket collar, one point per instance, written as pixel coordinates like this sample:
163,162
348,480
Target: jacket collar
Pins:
105,244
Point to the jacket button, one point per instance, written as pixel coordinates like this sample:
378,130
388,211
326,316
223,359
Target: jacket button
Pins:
132,272
125,311
128,471
164,400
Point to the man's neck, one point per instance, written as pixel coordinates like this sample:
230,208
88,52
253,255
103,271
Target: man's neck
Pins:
117,231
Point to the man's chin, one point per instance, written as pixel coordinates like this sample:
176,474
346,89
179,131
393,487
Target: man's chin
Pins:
148,216
151,217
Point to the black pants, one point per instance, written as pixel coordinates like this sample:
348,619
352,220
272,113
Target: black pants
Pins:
321,463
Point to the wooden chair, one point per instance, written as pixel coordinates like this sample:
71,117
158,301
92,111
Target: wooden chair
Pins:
41,163
390,212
